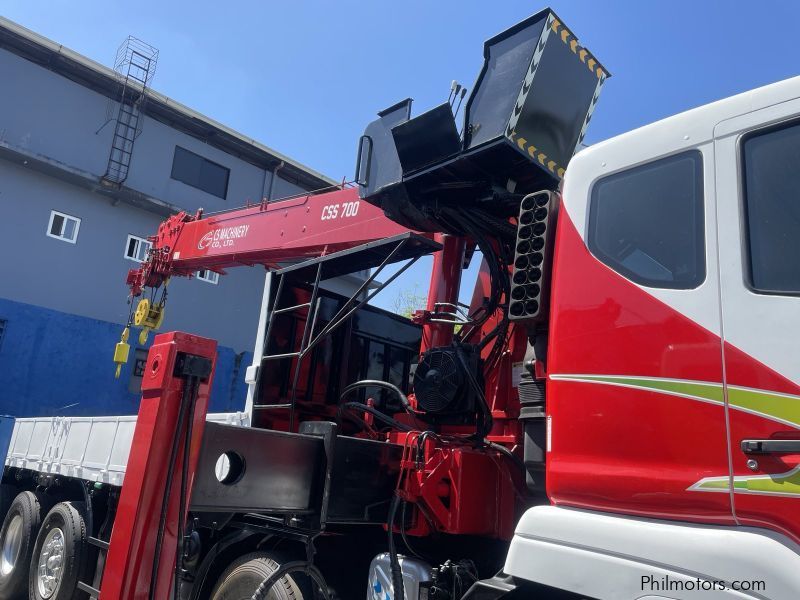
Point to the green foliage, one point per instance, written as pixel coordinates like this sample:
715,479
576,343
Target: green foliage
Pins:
409,301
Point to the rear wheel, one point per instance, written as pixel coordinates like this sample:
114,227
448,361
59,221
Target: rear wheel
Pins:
59,557
242,578
17,538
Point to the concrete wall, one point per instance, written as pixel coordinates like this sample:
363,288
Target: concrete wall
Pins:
51,115
64,303
54,363
88,278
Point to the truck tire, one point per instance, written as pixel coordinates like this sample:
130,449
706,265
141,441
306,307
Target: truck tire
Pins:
17,538
60,555
241,579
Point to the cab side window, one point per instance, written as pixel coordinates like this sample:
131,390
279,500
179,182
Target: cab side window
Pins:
646,223
771,163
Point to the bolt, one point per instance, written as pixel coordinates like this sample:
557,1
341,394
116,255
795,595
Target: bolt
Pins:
752,464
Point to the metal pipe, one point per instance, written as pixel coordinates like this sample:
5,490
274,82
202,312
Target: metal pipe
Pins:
444,287
275,170
260,347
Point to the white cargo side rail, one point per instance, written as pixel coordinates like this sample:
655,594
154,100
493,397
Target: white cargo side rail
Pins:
87,448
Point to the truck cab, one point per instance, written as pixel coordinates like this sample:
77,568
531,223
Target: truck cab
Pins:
672,366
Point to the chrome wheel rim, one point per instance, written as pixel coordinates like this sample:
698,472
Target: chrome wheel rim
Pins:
12,543
51,563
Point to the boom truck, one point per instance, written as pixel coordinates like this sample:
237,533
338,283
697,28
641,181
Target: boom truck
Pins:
614,416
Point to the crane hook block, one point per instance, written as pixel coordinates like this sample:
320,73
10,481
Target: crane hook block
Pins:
148,317
122,351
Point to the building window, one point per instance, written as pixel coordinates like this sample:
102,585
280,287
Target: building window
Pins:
63,227
196,171
771,163
646,223
208,276
3,325
136,248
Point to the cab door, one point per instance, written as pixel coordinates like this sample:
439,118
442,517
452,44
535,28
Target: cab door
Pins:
758,215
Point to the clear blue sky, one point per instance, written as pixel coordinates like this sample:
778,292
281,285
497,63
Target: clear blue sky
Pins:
305,77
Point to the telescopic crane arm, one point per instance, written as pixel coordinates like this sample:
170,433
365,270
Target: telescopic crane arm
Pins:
269,234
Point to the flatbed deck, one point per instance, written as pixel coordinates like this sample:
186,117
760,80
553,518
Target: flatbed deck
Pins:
88,448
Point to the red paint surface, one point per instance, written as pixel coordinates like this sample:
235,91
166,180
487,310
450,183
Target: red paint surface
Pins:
302,227
129,564
444,287
460,490
627,450
638,452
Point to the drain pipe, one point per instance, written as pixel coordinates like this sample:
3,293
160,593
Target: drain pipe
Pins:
275,169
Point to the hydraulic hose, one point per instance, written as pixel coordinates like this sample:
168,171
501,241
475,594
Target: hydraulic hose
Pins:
397,571
378,415
264,588
505,451
383,384
194,384
186,400
485,424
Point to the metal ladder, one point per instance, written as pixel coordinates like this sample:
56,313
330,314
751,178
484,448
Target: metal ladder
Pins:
135,64
102,548
119,160
403,247
308,330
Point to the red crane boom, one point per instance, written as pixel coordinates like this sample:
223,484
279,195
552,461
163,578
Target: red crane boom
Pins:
269,233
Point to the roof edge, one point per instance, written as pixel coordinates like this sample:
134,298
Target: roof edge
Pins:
176,109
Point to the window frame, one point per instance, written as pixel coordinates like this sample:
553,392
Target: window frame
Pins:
65,216
139,240
700,198
744,209
173,176
213,277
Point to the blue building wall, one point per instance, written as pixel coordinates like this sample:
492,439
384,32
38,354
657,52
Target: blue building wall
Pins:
55,363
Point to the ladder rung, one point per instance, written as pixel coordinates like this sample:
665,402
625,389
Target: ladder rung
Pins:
99,543
290,308
276,356
268,406
135,78
84,587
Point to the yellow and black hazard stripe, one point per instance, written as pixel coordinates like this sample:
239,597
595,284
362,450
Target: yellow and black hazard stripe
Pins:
537,155
528,81
566,36
554,27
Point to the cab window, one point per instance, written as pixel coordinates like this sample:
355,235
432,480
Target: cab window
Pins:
646,223
771,164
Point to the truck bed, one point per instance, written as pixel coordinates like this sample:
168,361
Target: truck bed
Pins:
89,448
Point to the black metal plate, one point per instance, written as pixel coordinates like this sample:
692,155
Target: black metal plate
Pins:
366,256
427,138
282,471
363,480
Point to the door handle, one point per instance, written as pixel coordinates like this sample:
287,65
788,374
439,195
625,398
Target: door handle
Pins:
771,446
